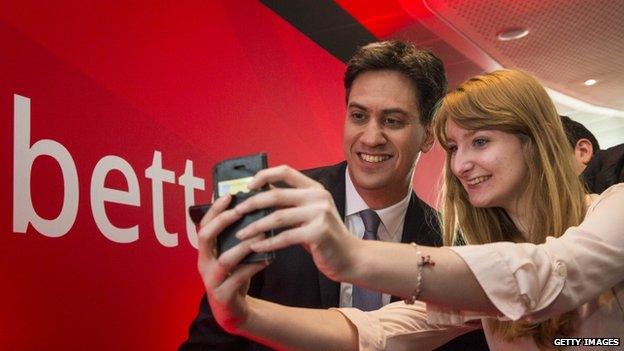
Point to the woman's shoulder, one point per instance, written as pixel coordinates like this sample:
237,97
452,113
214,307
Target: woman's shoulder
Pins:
613,190
612,197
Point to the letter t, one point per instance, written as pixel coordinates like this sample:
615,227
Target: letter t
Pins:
190,183
158,175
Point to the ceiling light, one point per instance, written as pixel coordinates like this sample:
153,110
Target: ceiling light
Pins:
590,82
512,33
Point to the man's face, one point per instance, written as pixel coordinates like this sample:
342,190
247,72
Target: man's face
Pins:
383,135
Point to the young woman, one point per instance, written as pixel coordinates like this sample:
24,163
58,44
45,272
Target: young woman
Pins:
544,259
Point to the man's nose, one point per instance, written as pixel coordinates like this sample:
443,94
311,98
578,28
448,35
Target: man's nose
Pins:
373,134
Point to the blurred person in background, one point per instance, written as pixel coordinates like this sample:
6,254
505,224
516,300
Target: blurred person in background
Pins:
598,168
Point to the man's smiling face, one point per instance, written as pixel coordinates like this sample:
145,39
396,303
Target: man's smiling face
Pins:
383,135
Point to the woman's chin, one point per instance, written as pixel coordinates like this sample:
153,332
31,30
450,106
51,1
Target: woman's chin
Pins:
480,202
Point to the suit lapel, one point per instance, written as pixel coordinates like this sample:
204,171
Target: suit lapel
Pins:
421,224
411,225
337,187
333,179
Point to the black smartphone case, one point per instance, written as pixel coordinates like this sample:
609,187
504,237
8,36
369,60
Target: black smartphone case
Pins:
236,168
197,212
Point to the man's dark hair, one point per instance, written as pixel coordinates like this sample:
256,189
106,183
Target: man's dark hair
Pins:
576,131
424,69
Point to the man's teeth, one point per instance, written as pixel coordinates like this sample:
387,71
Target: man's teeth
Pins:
477,180
374,158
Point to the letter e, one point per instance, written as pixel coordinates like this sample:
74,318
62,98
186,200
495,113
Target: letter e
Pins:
101,194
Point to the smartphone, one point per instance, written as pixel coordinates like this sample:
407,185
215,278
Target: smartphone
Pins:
231,177
197,212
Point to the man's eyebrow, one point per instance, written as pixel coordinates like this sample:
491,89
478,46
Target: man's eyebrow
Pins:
358,106
386,111
389,111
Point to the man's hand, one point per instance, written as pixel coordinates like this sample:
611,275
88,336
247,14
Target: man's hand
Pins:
309,214
226,281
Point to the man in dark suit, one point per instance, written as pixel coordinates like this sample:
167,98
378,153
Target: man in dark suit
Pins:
391,88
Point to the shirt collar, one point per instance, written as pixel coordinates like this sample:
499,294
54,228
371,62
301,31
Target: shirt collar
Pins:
392,217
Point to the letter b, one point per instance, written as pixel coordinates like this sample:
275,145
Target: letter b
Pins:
24,156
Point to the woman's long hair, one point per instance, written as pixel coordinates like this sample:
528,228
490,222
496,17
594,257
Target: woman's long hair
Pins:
513,102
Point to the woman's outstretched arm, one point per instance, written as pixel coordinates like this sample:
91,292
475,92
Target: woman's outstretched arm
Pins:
290,328
516,280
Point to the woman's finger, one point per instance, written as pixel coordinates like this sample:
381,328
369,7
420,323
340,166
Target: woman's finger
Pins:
283,197
217,224
282,218
284,174
217,207
290,237
218,270
233,284
233,256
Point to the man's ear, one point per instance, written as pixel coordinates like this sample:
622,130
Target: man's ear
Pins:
583,151
428,142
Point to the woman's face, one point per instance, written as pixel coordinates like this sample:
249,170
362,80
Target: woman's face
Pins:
489,164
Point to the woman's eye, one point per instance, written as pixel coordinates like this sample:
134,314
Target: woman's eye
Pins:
451,149
480,141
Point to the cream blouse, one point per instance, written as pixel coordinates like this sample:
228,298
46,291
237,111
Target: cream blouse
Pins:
525,282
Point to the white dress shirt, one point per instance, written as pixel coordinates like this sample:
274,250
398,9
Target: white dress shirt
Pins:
390,228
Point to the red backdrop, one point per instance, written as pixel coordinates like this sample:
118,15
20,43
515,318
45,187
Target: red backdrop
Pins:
138,82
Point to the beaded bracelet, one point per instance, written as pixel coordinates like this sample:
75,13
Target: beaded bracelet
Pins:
422,261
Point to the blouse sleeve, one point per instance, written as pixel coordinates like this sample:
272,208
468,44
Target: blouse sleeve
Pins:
398,326
535,282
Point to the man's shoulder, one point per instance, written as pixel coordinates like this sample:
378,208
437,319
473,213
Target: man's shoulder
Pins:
614,157
327,175
605,169
417,204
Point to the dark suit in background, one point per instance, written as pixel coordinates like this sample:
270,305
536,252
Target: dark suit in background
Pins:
605,169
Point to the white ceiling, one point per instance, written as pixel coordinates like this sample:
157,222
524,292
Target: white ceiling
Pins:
569,41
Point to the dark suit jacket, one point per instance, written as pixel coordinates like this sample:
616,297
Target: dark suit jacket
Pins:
606,168
292,278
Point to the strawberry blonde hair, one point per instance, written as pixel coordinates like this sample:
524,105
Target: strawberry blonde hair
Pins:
513,102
